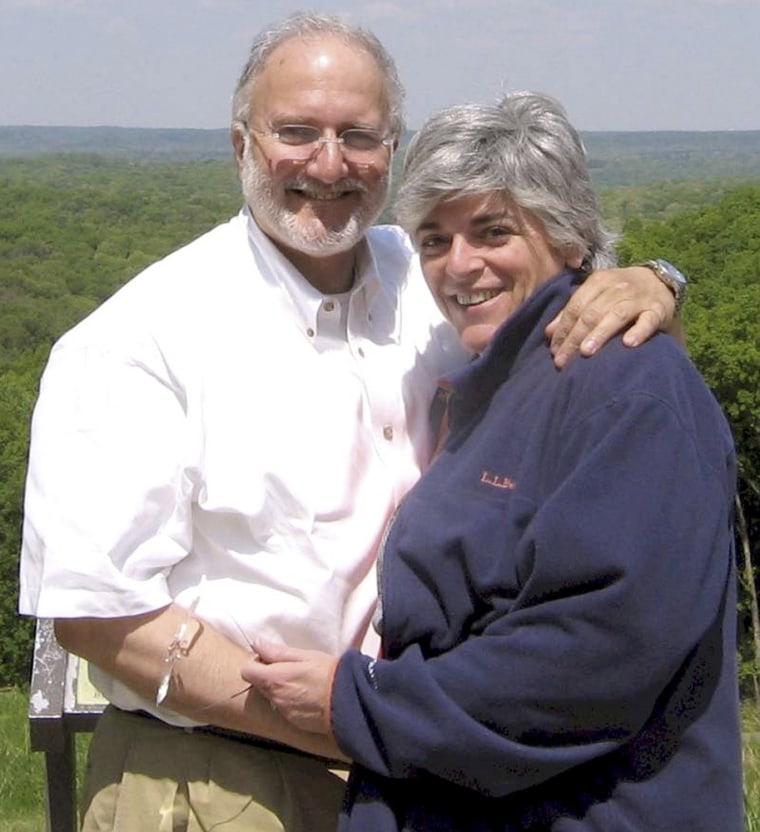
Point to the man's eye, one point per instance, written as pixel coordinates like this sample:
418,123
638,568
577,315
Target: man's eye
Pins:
358,139
296,134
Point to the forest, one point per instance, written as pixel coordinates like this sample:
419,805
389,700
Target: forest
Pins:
75,226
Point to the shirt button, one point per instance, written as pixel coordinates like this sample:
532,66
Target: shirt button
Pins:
329,306
310,332
361,352
388,432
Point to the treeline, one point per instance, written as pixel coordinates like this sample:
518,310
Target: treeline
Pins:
74,228
616,158
635,158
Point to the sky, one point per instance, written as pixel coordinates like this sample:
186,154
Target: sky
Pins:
614,64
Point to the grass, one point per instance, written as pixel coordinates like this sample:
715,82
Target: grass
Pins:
751,722
22,771
22,787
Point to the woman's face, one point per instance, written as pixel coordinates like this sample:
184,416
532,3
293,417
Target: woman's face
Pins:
482,257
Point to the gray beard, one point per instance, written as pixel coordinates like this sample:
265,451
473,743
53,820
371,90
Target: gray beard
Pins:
257,187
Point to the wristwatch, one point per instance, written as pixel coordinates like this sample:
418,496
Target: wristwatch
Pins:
672,277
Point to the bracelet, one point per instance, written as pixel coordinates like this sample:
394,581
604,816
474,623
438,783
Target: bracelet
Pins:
179,647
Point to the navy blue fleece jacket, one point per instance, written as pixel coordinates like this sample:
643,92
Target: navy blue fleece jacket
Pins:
558,606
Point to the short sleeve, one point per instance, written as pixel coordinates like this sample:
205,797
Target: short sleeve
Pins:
109,484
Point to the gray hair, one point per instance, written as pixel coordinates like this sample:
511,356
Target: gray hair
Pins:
314,25
523,147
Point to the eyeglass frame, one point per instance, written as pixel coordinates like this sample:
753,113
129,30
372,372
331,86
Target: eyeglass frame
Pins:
320,141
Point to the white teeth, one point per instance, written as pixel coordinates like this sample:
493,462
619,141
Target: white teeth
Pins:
327,196
476,297
327,192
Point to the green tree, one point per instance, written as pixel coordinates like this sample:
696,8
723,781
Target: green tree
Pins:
17,391
719,247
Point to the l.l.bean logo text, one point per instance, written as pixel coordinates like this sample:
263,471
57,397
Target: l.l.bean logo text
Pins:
497,481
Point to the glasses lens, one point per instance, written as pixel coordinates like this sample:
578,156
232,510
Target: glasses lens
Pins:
297,135
361,140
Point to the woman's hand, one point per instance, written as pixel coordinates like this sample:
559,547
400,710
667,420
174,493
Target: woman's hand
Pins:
607,302
297,683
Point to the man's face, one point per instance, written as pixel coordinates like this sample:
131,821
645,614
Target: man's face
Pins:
322,204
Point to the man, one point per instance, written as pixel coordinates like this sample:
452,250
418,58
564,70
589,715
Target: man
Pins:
216,450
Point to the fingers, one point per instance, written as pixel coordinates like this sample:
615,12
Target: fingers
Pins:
607,303
298,686
591,331
255,672
267,656
575,321
270,680
648,322
270,651
587,323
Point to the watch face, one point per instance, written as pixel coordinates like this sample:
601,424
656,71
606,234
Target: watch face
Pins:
672,272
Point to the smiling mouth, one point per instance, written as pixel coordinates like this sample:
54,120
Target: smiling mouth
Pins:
321,196
476,298
316,193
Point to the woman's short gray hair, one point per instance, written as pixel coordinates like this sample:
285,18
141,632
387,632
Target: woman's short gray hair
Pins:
523,147
313,25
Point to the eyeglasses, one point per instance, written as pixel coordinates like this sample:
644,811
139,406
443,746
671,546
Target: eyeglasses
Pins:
304,140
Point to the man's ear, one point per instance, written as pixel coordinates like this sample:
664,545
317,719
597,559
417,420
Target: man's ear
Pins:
237,137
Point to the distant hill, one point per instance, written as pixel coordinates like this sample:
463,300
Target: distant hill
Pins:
615,158
156,144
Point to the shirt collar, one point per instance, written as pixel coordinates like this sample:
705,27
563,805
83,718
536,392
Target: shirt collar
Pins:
283,276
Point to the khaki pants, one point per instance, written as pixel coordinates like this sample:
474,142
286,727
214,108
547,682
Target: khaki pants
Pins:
144,776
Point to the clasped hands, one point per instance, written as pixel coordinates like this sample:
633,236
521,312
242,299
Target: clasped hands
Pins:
297,683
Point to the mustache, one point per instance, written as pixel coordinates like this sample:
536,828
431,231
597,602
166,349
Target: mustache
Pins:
313,187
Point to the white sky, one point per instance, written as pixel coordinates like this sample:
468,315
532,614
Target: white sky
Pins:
615,64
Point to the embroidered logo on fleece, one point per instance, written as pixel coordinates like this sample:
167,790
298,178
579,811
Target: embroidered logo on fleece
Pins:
498,481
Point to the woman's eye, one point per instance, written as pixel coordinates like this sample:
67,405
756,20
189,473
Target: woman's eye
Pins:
497,233
432,244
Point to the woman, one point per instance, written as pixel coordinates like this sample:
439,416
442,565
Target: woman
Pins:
558,635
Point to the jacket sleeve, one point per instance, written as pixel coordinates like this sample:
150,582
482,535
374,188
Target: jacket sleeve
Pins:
622,571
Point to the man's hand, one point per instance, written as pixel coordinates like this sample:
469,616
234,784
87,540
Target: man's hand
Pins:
609,301
298,683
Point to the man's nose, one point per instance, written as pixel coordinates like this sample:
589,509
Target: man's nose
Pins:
328,164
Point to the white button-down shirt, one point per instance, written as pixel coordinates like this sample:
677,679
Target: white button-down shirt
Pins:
220,429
